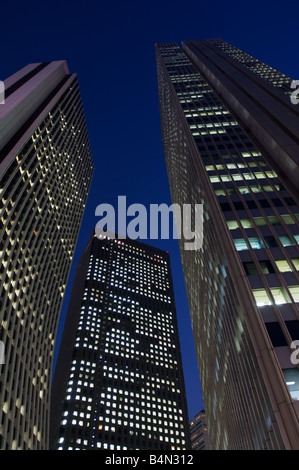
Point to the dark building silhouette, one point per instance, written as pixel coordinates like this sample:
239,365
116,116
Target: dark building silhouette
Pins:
230,136
118,382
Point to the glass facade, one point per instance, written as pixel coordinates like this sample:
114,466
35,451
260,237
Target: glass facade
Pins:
243,285
46,171
125,386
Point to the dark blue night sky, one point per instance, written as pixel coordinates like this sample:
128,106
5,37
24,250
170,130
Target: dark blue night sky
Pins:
111,46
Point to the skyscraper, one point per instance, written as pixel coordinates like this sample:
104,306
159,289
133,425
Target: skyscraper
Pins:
230,136
119,382
199,436
45,174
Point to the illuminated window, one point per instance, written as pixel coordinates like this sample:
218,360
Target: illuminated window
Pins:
261,297
246,223
295,261
286,241
280,296
259,175
288,219
260,221
244,189
255,243
283,265
220,192
235,178
214,179
248,176
240,244
232,224
295,293
292,381
225,178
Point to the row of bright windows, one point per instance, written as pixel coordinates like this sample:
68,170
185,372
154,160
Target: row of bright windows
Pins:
232,166
123,372
105,445
262,221
246,190
205,111
155,357
135,250
243,176
212,125
279,294
256,243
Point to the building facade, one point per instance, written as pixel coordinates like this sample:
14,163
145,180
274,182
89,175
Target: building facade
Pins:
199,436
118,383
230,136
45,174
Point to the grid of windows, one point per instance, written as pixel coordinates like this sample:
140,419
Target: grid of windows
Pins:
207,150
199,432
125,388
276,78
43,191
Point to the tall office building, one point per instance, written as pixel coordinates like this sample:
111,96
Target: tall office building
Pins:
199,436
119,382
230,136
45,173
